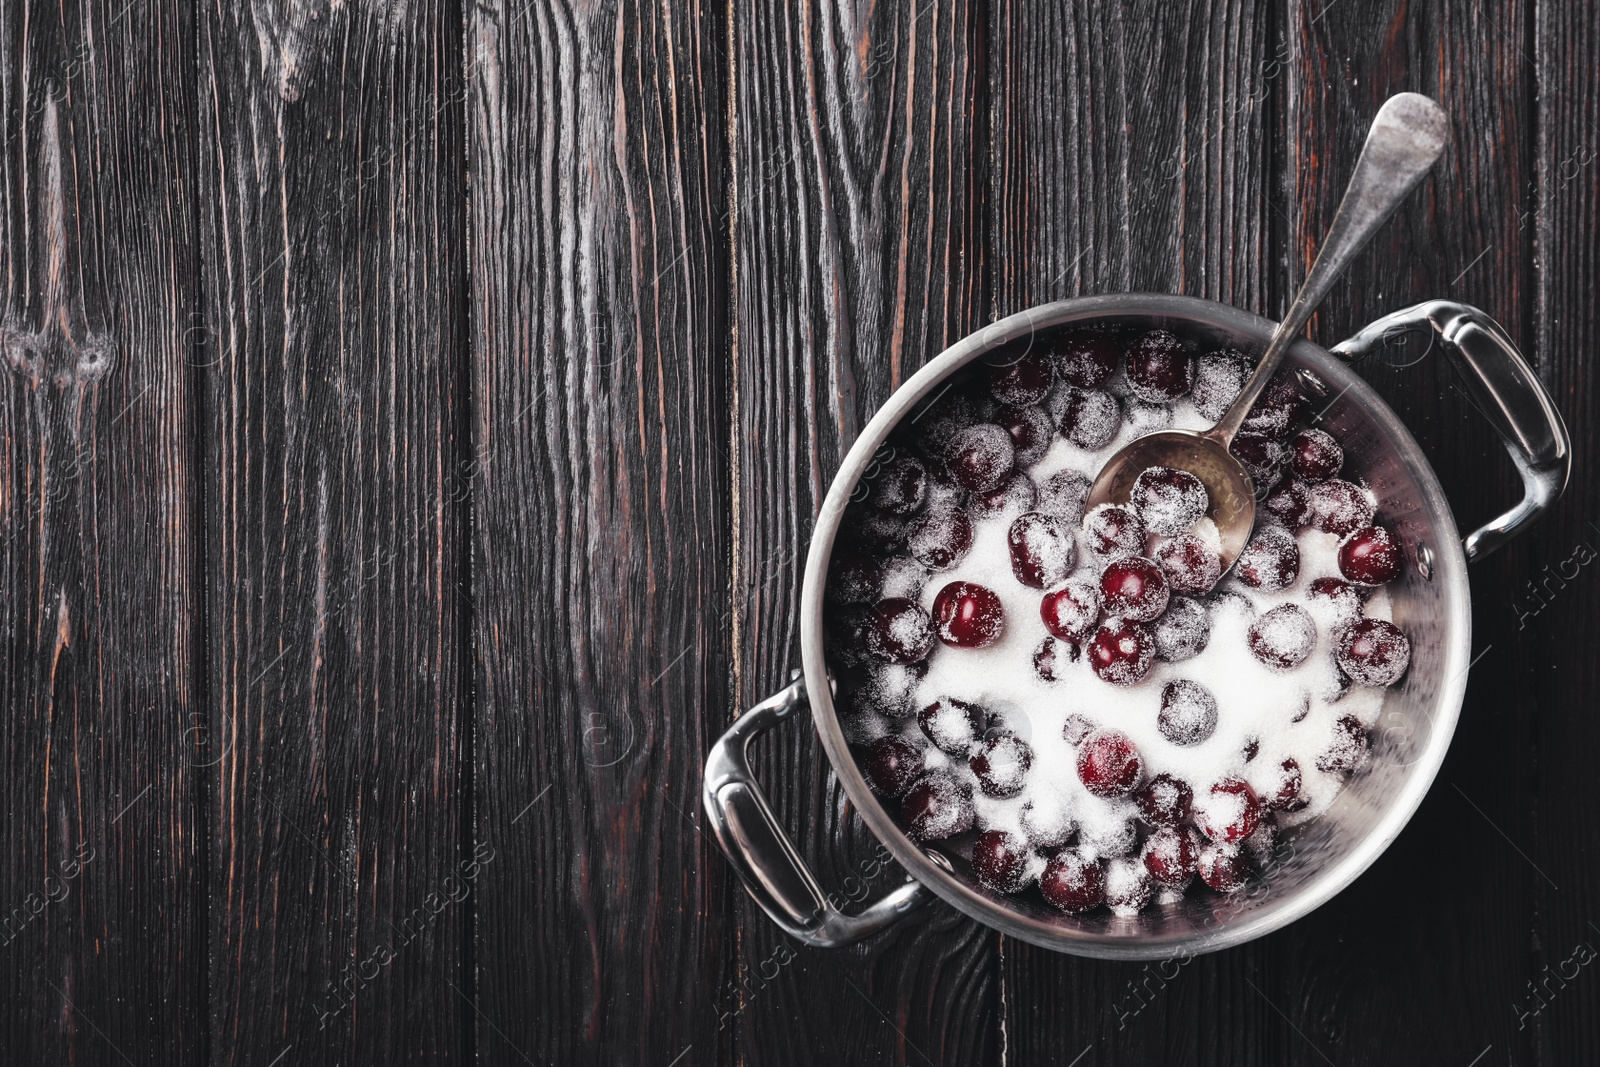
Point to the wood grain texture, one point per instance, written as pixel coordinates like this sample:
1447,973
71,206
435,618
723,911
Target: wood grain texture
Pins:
600,355
860,140
102,951
333,277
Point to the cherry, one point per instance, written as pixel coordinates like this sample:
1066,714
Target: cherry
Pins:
1016,493
898,631
1122,651
1050,659
1229,813
847,633
1030,429
901,485
1089,417
1063,494
1370,556
1347,746
1112,530
939,539
1073,883
891,764
1076,728
1159,370
1108,764
1188,712
1277,409
1218,377
1223,869
1133,588
1143,418
1020,378
1169,501
853,577
1046,824
1373,652
1282,791
1270,560
941,419
1315,455
1000,860
1001,764
889,689
954,726
1070,612
1260,845
937,807
1182,631
1252,748
1042,549
873,530
968,615
1190,564
903,577
1086,362
1338,598
1109,837
1339,507
1283,637
1334,685
1165,800
1129,887
1290,500
1262,456
980,457
1170,855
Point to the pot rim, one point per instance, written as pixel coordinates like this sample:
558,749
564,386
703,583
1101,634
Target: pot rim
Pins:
1449,561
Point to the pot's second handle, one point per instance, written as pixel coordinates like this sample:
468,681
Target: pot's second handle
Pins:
768,863
1506,390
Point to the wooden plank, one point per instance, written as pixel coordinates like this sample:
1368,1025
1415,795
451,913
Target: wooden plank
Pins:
860,146
101,909
600,355
333,273
1131,153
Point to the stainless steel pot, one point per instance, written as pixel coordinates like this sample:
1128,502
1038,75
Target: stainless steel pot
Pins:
1431,602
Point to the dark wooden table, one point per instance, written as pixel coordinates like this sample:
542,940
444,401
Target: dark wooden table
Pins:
412,416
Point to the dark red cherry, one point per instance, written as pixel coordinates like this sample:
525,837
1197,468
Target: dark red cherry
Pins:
1347,746
1001,764
1270,560
1283,637
1086,362
1190,564
1373,652
1170,855
1159,370
1051,658
1218,377
898,631
1315,455
954,726
1030,429
1071,611
981,457
1112,530
1182,631
1229,813
939,539
936,807
1020,375
1016,493
1089,417
1042,549
1370,556
1062,495
1108,764
1133,588
1262,457
1169,501
968,615
1290,500
901,485
1076,728
1338,597
1282,791
1339,507
1252,748
1277,410
1223,868
1122,651
891,764
1188,712
1073,883
1000,860
1165,800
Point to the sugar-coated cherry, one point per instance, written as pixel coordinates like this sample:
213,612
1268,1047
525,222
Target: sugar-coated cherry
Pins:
936,807
1229,812
1129,886
1020,375
1000,860
1340,600
1051,658
1015,494
1072,882
901,485
942,418
981,457
1159,370
1133,588
1122,651
902,576
1165,800
1281,791
1046,822
1373,652
1043,549
1169,501
1063,495
1031,431
1071,610
940,539
1108,764
1289,500
1170,855
890,689
898,631
1089,417
1370,556
1183,630
1277,409
1270,560
891,764
1339,507
1218,377
854,577
1262,456
1261,845
1087,362
1112,530
968,615
1347,746
954,726
1315,455
1224,868
1283,637
1188,712
1001,764
1076,728
872,529
1143,418
1190,563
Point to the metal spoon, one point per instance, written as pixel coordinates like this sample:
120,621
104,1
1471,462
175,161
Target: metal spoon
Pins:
1407,137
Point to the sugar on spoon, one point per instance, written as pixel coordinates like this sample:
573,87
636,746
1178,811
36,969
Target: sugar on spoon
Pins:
1407,137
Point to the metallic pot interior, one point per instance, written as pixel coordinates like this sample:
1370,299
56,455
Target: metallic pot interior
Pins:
1430,601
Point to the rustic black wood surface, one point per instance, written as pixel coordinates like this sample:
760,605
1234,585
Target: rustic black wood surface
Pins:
411,422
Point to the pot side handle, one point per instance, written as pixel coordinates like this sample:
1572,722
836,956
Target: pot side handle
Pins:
1505,389
761,851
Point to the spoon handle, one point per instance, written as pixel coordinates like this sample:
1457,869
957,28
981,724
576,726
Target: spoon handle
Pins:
1407,137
